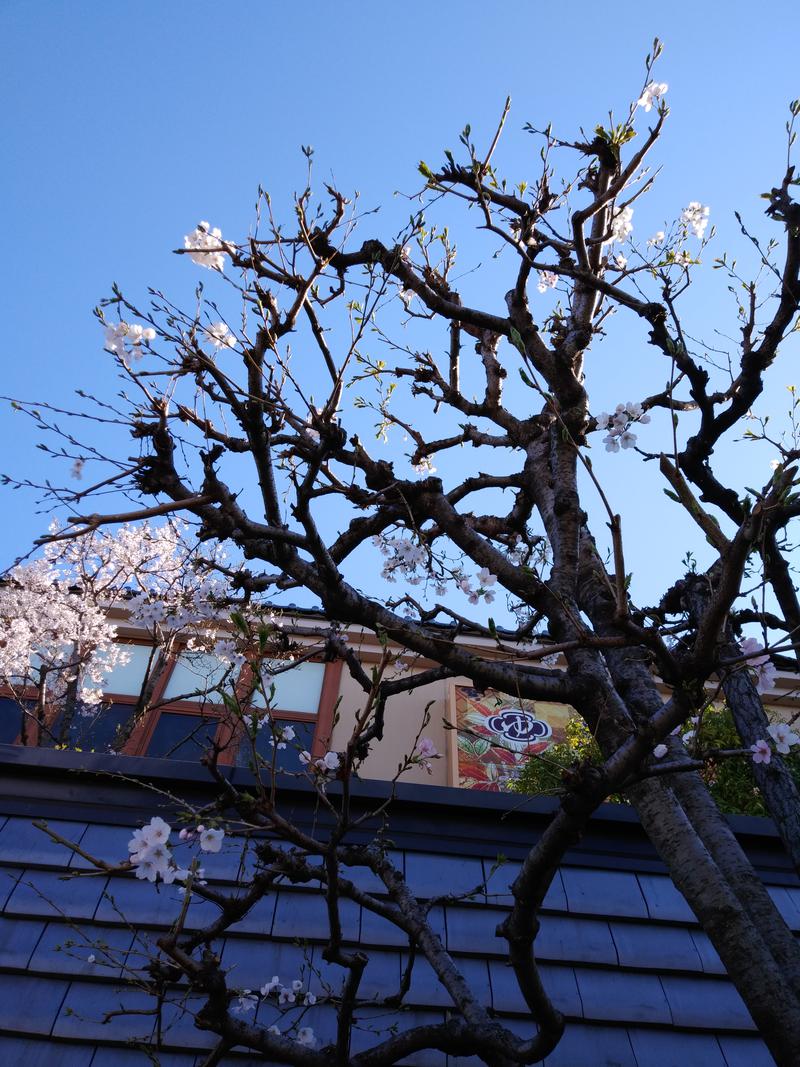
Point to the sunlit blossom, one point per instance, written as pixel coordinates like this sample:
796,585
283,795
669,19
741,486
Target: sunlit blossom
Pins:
652,92
205,246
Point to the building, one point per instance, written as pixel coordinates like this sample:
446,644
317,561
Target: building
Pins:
622,954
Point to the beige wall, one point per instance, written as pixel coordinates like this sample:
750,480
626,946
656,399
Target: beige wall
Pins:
404,716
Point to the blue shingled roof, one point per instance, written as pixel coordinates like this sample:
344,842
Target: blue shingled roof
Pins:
621,954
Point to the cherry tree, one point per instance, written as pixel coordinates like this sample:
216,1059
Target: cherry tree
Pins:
60,645
253,411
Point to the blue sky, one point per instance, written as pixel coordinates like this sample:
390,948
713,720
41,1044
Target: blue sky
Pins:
123,124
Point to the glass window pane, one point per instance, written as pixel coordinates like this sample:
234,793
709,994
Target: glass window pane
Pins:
127,680
299,689
178,736
288,757
195,677
10,720
95,731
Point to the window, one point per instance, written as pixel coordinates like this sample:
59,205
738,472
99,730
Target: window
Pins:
186,711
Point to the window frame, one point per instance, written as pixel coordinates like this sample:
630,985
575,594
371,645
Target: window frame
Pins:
227,730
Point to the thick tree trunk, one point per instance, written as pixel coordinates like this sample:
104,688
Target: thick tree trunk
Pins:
773,779
729,856
760,979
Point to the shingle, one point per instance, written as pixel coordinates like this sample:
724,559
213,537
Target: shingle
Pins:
41,997
670,1048
559,982
233,863
177,1023
125,1057
618,996
786,905
109,843
375,930
9,876
593,1046
306,916
32,1053
428,992
655,947
259,919
253,962
87,1003
745,1052
472,929
583,1045
430,875
372,1030
575,940
381,976
64,950
144,903
793,893
709,959
49,893
499,882
594,892
706,1002
664,900
367,880
21,842
18,938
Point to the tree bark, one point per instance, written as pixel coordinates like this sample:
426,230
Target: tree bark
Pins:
758,976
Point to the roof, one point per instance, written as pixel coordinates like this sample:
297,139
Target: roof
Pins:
621,953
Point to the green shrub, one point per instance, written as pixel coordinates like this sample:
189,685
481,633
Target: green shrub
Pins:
730,780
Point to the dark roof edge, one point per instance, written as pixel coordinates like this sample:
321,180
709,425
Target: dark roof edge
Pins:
33,763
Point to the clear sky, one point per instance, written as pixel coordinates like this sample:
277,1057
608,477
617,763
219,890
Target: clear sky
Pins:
125,123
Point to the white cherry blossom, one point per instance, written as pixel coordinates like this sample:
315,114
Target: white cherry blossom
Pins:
759,662
306,1036
547,280
695,217
783,737
220,335
425,466
762,753
621,224
653,91
206,247
211,840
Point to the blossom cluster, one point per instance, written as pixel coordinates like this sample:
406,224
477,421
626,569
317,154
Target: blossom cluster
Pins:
326,767
759,663
151,853
126,338
206,247
281,732
621,224
783,738
618,425
653,91
547,280
485,580
424,752
55,633
425,466
286,996
220,335
695,218
402,557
